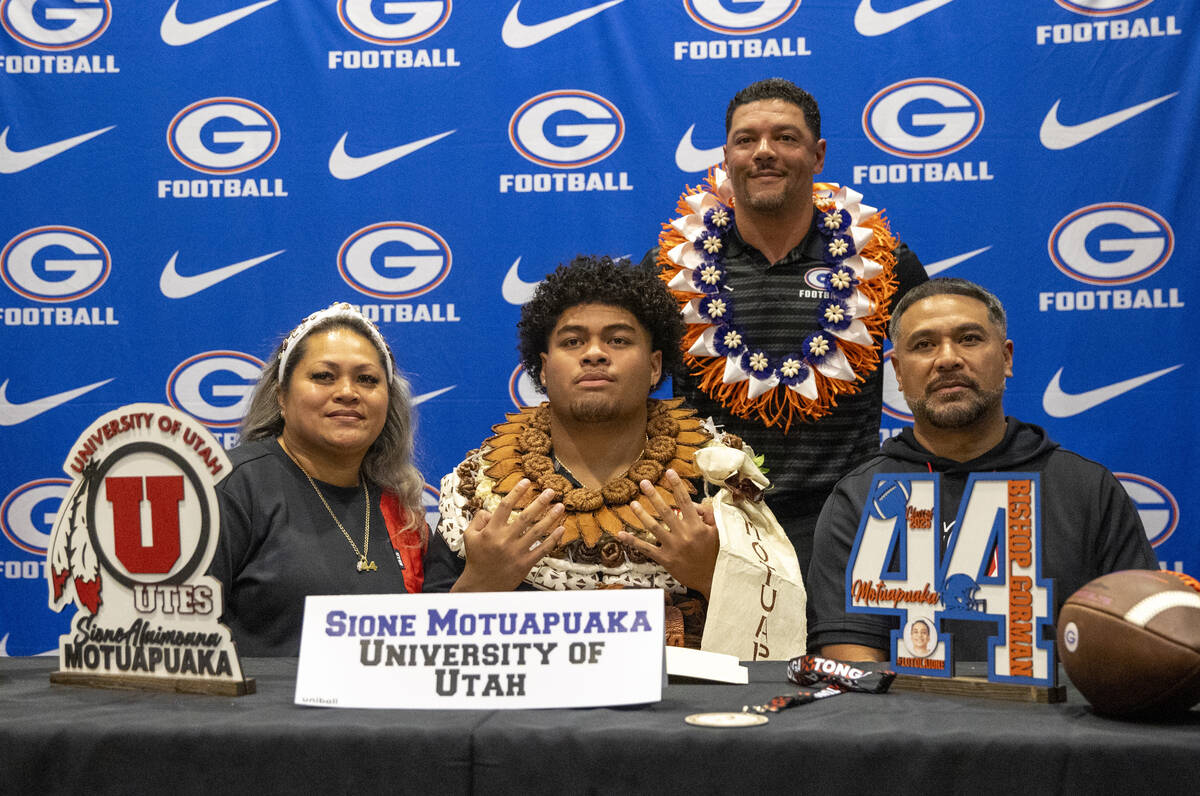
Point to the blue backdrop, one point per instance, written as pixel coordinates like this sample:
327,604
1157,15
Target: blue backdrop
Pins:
184,181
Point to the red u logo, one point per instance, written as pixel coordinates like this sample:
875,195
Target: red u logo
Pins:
164,493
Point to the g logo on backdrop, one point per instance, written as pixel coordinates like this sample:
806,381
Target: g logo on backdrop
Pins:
394,260
1155,504
55,27
223,135
566,129
924,119
54,264
522,390
1113,243
27,515
215,388
405,23
742,20
586,129
1107,245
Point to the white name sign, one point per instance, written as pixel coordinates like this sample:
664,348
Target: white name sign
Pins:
482,651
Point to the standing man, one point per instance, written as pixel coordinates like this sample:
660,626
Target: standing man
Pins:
952,357
786,291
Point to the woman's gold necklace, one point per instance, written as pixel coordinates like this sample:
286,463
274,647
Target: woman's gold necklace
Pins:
363,564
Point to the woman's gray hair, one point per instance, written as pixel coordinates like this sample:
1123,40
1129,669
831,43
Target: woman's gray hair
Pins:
389,460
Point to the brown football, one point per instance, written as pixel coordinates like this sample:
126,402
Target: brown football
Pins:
1130,642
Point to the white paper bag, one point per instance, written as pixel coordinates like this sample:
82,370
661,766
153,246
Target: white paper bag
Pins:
756,609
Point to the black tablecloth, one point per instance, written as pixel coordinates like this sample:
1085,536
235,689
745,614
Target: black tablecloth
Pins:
60,739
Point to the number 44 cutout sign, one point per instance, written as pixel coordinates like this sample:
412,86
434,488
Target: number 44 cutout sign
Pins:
989,572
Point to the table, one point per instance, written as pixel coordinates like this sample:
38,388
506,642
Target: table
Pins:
63,739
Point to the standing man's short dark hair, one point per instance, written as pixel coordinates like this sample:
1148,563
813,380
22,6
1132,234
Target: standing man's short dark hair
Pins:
777,88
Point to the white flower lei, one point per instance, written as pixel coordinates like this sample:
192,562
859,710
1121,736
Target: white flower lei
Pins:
698,283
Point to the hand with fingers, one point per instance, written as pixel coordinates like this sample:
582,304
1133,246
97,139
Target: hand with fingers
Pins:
500,553
687,538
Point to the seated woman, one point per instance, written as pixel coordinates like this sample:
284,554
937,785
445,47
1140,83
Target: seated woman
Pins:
323,497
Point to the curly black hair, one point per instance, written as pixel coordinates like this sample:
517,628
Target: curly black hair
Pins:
600,280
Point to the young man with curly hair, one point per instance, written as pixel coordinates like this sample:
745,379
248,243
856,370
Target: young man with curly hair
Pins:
594,488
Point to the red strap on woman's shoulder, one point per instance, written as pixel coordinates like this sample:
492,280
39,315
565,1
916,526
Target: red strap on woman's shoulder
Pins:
407,539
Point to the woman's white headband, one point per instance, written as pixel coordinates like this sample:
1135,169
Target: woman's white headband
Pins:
337,310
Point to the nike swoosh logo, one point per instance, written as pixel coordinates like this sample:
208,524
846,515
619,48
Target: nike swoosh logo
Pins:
11,162
515,289
1060,404
688,158
178,33
1056,135
516,34
176,286
950,262
420,399
870,22
11,414
348,167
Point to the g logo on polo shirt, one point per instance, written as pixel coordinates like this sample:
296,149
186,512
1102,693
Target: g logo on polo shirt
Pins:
214,387
394,260
55,26
55,264
925,117
401,23
818,278
566,129
717,16
223,135
1113,243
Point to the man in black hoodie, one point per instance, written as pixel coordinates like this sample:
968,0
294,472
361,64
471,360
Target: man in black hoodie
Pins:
951,357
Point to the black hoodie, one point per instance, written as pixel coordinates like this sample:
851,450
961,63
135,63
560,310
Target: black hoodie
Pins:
1090,527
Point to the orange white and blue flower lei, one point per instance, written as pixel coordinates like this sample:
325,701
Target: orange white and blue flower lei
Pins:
778,387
